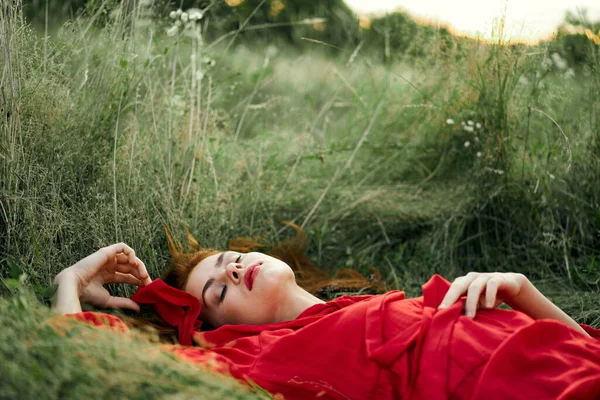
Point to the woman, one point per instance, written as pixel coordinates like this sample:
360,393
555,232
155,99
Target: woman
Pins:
270,331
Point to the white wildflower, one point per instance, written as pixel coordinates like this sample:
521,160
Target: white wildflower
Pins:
478,125
172,15
449,121
179,12
195,14
570,73
209,61
479,154
470,123
541,84
476,139
172,31
560,62
523,80
272,51
462,123
184,17
468,128
467,144
538,74
178,23
199,75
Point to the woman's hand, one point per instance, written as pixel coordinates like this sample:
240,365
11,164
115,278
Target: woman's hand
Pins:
112,264
486,289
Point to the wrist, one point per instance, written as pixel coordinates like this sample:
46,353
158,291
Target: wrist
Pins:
524,295
68,278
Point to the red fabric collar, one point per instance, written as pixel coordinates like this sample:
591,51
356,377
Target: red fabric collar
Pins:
178,308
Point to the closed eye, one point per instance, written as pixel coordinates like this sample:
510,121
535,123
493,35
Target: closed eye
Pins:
237,260
223,294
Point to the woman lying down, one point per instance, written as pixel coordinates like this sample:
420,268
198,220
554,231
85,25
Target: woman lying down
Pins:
450,343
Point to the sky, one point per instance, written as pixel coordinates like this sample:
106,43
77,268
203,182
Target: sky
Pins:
526,20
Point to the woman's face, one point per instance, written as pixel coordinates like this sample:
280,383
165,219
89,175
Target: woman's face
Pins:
240,288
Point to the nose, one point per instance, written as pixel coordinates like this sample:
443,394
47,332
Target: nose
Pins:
234,272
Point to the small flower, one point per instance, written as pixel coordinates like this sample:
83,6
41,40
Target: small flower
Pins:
172,15
172,31
449,121
178,23
272,51
523,80
467,144
195,14
570,73
470,123
179,12
478,125
462,123
479,154
468,128
184,17
560,63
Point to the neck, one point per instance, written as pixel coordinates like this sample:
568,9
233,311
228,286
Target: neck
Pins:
297,302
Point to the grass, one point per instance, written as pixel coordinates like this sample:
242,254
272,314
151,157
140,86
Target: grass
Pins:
110,132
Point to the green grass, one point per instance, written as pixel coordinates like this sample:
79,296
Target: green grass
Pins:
110,133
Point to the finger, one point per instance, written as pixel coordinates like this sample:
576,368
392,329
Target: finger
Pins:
122,302
129,269
126,278
110,252
473,294
122,258
491,292
139,264
144,275
457,289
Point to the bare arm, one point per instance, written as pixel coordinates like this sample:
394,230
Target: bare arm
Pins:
533,303
67,295
490,289
85,280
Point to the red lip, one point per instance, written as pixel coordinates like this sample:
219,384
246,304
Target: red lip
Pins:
250,274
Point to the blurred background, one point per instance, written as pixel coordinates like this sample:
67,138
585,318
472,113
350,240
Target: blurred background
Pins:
405,138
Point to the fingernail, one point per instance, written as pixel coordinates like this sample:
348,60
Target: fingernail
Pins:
488,304
441,306
470,314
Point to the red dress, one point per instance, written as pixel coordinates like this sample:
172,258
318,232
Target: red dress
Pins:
389,347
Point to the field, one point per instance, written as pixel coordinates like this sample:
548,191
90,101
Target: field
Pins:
478,157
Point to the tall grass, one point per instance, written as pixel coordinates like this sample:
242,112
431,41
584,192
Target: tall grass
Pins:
113,129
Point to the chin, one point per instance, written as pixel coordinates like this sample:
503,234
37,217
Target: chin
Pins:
275,275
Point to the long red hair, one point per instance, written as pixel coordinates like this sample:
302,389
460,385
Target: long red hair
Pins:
292,251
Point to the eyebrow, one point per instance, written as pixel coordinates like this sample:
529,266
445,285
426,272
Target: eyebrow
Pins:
210,281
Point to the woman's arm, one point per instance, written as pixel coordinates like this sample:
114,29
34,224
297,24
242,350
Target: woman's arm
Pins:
533,303
490,289
85,280
67,295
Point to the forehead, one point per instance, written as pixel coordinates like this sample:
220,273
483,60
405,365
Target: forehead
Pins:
200,274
